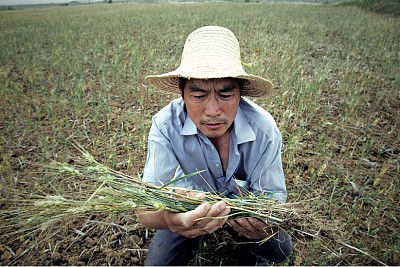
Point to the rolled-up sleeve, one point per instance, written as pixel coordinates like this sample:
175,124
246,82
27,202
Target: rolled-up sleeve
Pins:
161,162
267,177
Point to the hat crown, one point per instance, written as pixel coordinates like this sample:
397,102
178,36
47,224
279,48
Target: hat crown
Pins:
211,49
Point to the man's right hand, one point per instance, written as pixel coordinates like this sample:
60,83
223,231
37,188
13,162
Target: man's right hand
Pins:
203,220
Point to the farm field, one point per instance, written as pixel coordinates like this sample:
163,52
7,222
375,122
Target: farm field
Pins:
77,73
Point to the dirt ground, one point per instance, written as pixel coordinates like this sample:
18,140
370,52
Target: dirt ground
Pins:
120,241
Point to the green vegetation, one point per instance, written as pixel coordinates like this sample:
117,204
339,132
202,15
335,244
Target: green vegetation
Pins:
391,7
77,74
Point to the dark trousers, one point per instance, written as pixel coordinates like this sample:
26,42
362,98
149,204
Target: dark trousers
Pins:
168,248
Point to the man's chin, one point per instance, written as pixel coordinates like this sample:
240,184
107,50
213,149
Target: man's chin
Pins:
213,134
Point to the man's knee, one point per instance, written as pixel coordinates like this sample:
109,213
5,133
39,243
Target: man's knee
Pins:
277,249
167,248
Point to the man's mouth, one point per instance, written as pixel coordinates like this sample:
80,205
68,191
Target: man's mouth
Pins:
213,125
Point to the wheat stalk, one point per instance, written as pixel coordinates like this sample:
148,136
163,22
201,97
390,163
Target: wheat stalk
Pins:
120,193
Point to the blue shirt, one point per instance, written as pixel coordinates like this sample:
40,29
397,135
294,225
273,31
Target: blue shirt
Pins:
176,148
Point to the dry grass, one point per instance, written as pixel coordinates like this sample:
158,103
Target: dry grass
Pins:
77,73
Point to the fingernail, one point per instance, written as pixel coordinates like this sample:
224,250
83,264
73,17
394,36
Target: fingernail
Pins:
221,206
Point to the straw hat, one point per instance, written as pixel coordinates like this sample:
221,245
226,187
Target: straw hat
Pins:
212,52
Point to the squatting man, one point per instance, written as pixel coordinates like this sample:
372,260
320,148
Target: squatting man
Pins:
213,127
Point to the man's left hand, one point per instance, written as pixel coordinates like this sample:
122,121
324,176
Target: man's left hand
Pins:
251,228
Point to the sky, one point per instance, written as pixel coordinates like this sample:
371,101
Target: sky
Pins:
33,2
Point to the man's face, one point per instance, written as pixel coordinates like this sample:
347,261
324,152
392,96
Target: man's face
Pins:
212,104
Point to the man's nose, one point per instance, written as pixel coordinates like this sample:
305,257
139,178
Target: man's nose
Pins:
212,107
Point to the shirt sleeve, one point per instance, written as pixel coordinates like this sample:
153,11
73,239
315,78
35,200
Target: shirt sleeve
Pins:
162,164
161,161
268,177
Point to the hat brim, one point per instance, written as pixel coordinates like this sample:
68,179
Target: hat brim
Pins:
254,86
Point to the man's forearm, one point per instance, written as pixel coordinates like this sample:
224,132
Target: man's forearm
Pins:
152,220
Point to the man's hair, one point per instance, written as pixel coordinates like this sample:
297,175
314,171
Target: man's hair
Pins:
182,83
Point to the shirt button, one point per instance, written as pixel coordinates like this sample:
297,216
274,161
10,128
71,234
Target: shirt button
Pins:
217,165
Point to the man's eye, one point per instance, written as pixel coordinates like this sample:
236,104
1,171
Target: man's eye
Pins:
199,96
225,96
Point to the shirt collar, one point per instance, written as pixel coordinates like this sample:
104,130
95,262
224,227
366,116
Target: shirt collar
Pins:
189,128
243,131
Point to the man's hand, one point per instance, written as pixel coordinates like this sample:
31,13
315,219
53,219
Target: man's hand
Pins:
251,228
198,222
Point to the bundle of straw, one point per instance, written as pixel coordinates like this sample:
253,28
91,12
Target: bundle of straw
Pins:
118,193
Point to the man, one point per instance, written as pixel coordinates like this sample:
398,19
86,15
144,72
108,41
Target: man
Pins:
213,129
